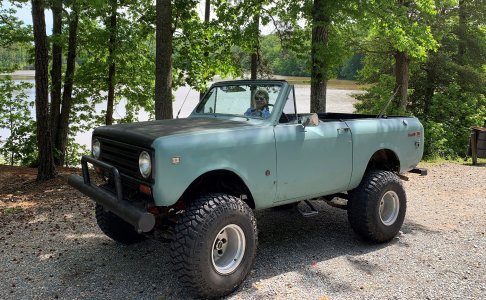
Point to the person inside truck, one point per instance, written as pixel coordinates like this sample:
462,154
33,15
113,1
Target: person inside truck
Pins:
260,105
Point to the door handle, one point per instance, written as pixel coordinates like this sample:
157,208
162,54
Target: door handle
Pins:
343,130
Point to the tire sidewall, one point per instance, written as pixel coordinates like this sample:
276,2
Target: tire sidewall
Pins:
191,250
388,231
364,206
231,281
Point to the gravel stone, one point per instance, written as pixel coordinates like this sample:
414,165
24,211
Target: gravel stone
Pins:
51,247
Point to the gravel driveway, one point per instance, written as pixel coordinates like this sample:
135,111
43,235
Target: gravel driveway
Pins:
50,247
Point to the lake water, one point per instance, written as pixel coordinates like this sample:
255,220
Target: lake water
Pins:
338,100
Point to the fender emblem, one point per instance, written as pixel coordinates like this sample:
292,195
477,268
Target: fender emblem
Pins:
176,160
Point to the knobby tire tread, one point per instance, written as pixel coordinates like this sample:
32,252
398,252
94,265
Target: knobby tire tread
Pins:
187,230
360,206
115,228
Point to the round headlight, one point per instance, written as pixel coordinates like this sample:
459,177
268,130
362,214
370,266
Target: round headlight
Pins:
96,148
145,164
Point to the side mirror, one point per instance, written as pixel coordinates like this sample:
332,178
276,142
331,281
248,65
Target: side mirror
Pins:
311,120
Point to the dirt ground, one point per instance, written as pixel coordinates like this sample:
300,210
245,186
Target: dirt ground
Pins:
50,247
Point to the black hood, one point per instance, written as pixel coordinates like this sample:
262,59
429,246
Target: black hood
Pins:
144,133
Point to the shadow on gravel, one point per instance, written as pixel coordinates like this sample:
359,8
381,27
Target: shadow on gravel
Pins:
410,227
288,242
478,165
103,269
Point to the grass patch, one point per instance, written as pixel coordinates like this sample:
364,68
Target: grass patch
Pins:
12,210
435,161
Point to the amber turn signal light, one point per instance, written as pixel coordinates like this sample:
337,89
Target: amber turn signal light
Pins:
98,170
144,189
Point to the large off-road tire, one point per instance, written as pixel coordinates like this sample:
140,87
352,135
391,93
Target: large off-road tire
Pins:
376,208
115,228
215,245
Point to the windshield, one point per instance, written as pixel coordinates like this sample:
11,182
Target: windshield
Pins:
248,100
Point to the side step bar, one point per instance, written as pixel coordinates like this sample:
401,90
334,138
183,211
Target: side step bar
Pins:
421,171
311,213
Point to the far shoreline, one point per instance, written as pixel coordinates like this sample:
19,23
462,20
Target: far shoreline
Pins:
337,84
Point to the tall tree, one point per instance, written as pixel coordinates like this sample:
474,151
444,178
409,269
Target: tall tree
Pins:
319,65
402,62
207,14
163,60
254,55
112,29
56,71
46,169
62,136
133,57
399,29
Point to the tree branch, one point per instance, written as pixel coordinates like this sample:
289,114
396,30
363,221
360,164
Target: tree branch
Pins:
6,21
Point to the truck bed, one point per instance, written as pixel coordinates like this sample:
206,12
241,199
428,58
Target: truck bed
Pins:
330,116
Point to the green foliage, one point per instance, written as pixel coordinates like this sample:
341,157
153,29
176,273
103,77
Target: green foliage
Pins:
283,61
134,79
20,146
15,40
350,69
447,85
16,56
201,50
452,113
12,30
74,151
400,26
447,67
378,98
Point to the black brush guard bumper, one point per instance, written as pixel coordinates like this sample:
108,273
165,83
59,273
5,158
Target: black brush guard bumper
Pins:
143,221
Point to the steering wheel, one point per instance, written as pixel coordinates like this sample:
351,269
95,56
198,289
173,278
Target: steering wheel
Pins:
284,118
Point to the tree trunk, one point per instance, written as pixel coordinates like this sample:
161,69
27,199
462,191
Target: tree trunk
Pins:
461,33
56,71
46,169
254,66
11,129
68,85
319,69
163,60
254,55
207,12
401,78
429,85
112,66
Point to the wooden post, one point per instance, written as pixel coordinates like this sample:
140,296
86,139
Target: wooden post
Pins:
474,146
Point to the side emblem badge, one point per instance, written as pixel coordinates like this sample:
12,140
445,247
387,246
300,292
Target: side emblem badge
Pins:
176,160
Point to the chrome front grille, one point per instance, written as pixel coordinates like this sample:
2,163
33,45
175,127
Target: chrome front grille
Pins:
121,155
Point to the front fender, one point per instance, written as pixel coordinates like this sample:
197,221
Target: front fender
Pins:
251,156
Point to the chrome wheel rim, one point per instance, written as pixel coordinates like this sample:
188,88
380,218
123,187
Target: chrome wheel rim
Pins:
389,208
228,249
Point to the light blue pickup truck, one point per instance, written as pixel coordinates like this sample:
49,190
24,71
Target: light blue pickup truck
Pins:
196,181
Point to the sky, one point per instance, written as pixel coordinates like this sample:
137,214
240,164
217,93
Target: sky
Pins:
24,14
